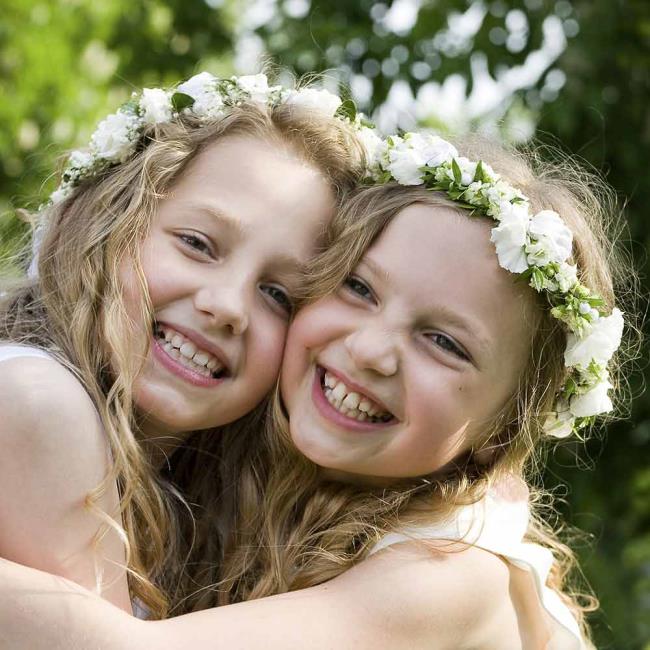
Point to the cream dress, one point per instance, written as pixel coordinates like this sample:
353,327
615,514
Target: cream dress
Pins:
498,524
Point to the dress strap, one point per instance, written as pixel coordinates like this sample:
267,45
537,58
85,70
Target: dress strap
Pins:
15,351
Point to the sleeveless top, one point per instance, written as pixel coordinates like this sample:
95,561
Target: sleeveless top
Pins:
13,351
498,525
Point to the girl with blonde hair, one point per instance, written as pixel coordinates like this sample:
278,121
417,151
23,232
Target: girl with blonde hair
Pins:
158,303
386,503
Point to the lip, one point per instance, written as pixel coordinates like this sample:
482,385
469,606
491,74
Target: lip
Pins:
328,412
180,370
355,387
202,343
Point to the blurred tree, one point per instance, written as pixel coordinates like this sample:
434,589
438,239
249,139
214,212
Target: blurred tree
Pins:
577,71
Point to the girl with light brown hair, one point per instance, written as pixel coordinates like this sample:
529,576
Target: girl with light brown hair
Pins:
387,502
167,264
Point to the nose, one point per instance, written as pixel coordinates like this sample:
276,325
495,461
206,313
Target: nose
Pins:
226,307
373,349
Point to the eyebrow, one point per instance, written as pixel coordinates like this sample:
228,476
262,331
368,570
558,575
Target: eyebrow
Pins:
228,220
377,269
282,261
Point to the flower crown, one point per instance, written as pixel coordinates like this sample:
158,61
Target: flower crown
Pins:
207,97
116,138
536,247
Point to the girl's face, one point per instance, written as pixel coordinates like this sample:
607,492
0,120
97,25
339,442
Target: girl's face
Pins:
221,261
405,367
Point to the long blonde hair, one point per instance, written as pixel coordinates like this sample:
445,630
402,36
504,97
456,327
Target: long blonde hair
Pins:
295,530
76,309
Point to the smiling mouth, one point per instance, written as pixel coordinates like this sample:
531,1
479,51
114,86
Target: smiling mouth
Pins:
350,403
188,354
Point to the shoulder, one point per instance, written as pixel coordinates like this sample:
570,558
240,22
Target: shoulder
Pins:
39,395
51,438
441,592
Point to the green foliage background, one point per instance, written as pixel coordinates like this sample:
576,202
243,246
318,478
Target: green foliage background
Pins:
65,63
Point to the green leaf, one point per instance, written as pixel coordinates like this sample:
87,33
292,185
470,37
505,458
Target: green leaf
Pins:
479,174
181,101
458,174
347,109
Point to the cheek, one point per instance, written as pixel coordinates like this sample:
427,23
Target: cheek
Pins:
439,403
265,355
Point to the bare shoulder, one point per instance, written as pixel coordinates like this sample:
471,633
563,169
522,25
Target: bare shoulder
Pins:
446,593
53,455
38,396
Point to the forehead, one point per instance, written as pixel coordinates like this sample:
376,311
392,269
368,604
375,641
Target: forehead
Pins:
441,259
258,188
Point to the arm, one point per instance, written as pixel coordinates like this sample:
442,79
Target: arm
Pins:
53,454
402,598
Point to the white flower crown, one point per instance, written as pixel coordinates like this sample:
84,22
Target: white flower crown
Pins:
205,96
537,248
117,136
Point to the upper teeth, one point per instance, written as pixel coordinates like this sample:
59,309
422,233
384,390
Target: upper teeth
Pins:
186,351
350,403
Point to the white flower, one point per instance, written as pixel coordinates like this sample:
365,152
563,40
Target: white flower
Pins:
566,277
373,145
553,239
472,190
510,236
404,162
80,160
467,168
315,99
594,402
61,193
498,193
434,150
155,106
598,345
560,423
208,105
198,85
115,137
256,85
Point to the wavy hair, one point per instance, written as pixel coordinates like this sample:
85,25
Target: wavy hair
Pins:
75,309
291,529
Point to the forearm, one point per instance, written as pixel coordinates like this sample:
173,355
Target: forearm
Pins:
41,611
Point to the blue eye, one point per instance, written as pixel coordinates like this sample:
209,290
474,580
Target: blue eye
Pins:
448,345
279,296
359,287
196,243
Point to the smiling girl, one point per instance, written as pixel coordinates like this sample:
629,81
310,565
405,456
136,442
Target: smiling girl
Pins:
167,263
436,354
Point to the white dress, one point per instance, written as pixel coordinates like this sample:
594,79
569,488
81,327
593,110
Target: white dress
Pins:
497,524
13,351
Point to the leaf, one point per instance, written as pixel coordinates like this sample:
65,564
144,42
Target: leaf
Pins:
181,101
347,109
458,174
479,174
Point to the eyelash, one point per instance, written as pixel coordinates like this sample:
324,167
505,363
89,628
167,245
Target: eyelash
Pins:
448,345
354,285
196,243
287,305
